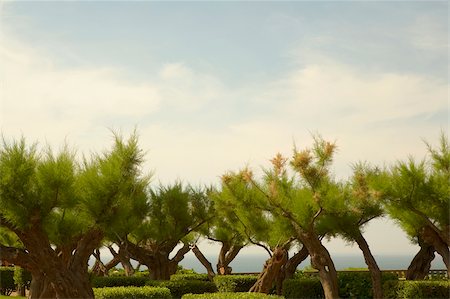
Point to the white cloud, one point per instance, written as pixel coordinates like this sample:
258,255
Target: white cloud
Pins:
37,97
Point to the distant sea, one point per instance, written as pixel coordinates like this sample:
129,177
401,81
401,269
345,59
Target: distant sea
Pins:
254,262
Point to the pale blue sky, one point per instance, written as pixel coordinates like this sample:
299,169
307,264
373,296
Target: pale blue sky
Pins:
213,86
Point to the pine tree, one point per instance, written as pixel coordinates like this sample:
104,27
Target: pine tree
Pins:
60,210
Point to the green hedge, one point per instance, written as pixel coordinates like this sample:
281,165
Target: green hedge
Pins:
351,285
6,280
190,276
180,287
22,277
231,296
234,283
307,287
118,281
359,284
420,289
132,292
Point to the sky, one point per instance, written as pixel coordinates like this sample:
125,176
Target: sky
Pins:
213,86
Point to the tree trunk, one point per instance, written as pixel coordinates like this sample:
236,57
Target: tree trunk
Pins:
204,261
292,264
371,263
271,271
421,263
226,256
432,238
320,260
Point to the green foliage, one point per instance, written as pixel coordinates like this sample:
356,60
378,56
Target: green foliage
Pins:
132,292
231,296
303,288
6,280
422,289
416,193
22,277
118,281
234,283
193,276
180,287
359,284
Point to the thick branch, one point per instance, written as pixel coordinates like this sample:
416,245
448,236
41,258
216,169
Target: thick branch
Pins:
16,256
181,253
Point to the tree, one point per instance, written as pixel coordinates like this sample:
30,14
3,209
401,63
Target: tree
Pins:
361,204
247,206
416,195
302,200
221,228
60,210
173,214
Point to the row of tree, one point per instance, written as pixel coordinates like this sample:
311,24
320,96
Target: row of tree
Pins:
55,212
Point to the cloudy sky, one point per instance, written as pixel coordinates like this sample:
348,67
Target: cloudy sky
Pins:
213,86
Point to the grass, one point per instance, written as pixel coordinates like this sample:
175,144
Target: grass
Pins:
10,297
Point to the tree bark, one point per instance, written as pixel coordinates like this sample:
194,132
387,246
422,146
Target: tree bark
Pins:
157,259
55,273
226,256
432,238
320,260
292,264
271,271
421,263
204,261
371,263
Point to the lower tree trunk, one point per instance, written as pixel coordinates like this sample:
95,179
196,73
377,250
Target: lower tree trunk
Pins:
292,264
204,261
40,287
226,256
371,263
63,285
320,260
432,238
421,263
271,271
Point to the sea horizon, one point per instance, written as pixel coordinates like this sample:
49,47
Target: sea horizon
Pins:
248,262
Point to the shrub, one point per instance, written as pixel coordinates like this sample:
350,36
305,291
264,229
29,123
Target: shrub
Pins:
307,287
118,281
6,280
234,283
132,292
22,278
180,287
231,296
423,289
359,284
191,276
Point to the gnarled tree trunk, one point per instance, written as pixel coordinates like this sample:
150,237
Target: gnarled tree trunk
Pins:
421,263
226,256
271,271
320,260
371,263
432,238
159,264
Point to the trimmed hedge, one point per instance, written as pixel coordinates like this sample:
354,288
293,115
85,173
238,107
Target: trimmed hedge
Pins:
307,287
231,296
419,289
234,283
351,285
132,292
180,287
118,281
6,280
190,276
359,284
22,277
